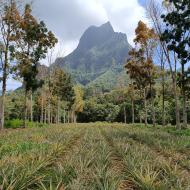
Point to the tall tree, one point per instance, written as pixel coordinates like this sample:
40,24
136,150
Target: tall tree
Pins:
34,39
146,38
177,36
140,65
155,10
9,17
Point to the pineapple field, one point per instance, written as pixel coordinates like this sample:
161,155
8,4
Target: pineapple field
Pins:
94,156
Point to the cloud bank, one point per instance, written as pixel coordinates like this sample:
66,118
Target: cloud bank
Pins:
68,19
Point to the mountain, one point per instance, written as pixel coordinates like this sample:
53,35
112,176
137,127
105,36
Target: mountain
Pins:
101,53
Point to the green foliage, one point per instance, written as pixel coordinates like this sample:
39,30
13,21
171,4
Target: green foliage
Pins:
94,111
176,33
16,123
62,85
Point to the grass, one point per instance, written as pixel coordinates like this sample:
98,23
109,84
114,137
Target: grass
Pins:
95,156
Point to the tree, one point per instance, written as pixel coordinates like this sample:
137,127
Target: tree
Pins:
8,22
33,42
147,39
78,104
62,88
177,35
140,64
154,10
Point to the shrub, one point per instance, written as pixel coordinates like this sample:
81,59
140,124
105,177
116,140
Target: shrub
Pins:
15,123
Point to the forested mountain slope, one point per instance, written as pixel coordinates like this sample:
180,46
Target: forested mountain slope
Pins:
101,53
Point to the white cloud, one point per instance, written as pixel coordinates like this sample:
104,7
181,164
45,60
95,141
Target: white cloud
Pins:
70,18
124,15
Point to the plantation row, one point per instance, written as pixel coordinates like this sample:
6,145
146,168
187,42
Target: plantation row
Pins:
94,156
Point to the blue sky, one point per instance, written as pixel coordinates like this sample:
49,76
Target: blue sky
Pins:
142,2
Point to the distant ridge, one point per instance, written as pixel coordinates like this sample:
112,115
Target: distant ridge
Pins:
99,50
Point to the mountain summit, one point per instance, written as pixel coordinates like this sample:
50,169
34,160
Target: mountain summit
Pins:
99,50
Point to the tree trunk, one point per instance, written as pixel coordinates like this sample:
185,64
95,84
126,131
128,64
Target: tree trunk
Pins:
75,117
42,110
140,119
64,117
153,107
45,116
133,111
145,107
51,118
31,108
2,111
125,116
4,87
58,111
153,114
68,119
178,126
25,109
184,98
49,112
163,90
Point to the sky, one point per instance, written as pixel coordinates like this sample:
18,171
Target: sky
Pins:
68,19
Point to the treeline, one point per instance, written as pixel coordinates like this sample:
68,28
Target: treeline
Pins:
56,101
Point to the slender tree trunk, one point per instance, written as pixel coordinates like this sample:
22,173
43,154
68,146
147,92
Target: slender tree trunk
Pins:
145,107
177,107
153,107
42,110
51,117
163,89
75,117
68,119
140,119
163,102
25,109
49,112
72,117
133,111
45,115
125,116
64,117
31,107
184,98
153,113
4,87
58,111
2,111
